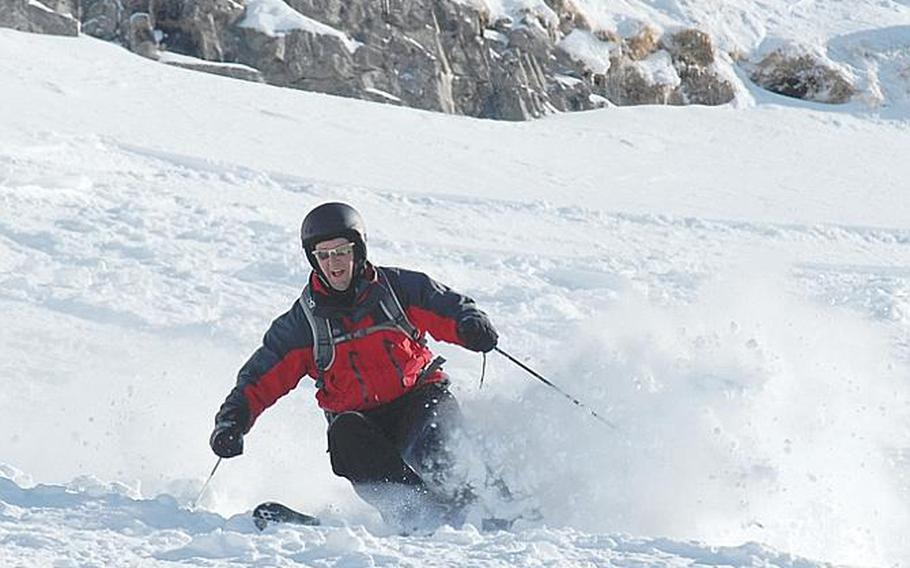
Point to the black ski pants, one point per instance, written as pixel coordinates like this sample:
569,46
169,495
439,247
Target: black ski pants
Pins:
403,443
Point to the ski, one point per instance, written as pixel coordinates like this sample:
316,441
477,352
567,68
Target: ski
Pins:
271,512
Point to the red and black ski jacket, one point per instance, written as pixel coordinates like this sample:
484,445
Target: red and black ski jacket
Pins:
368,370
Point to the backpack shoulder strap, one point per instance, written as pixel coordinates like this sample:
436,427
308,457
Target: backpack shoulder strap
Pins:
324,337
391,307
323,341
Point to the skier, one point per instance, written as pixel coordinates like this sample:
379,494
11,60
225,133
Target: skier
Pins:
359,330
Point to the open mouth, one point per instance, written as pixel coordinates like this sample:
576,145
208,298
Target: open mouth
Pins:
336,273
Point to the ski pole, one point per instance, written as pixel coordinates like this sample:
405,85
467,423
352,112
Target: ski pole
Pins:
542,379
206,484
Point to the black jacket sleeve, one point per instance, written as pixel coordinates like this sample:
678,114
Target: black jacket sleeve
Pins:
275,368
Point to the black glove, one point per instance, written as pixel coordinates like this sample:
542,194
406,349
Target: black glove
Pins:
227,439
477,333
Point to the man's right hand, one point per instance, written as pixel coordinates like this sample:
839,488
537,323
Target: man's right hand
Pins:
227,439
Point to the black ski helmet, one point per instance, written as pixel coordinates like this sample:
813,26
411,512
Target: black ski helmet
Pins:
333,220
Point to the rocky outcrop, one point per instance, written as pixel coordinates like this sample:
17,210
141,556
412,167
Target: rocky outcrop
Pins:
693,56
33,16
199,28
299,59
653,68
439,55
803,75
202,28
102,18
450,56
63,7
418,53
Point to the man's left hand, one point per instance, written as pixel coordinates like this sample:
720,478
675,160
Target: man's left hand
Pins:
477,333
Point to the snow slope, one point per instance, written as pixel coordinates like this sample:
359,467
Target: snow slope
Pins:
729,286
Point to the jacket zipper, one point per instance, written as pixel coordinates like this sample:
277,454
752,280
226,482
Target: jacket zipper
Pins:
352,356
389,346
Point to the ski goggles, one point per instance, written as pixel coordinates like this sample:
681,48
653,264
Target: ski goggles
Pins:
341,251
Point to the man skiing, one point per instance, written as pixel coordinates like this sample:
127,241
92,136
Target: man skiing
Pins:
359,330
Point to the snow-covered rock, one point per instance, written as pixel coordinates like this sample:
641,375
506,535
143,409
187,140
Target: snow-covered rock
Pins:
880,60
695,61
800,73
141,36
233,70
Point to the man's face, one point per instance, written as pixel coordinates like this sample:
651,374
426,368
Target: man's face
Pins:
336,259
